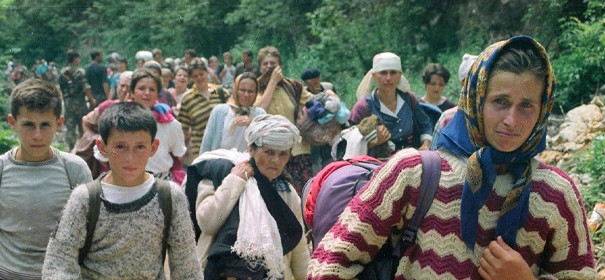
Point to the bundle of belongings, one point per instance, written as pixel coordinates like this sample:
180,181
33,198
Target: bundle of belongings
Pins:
354,141
325,115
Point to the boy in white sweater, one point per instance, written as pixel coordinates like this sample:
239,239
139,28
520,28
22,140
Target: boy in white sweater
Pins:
127,242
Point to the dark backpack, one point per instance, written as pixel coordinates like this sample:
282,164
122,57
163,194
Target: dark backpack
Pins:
343,183
94,207
213,169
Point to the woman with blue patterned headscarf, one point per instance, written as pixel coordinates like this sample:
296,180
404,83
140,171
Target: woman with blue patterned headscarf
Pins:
498,212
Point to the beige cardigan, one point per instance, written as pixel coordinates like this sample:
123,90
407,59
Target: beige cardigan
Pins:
213,207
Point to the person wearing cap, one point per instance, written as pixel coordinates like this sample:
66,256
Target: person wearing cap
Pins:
320,155
247,209
312,79
394,104
434,78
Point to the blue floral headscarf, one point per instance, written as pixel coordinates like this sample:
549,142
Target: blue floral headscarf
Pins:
465,136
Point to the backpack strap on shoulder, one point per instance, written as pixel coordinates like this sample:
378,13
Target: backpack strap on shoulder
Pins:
431,173
165,200
72,184
1,167
92,215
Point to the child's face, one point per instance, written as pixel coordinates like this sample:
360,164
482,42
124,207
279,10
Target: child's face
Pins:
228,60
145,92
128,153
36,131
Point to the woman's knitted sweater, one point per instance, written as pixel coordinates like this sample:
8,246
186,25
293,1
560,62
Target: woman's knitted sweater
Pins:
127,241
553,241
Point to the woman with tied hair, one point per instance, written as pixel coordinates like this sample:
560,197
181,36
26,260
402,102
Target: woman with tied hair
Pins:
498,212
248,211
279,95
398,109
434,78
228,122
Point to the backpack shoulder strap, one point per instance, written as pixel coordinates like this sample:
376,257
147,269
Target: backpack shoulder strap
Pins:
165,200
1,167
72,184
92,215
431,173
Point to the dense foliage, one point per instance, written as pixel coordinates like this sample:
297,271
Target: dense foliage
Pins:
592,162
339,37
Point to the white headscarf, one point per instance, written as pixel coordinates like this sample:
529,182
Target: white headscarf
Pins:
382,61
465,65
272,131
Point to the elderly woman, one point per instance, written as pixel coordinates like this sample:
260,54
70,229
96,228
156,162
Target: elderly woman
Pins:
249,213
498,212
404,124
283,96
228,122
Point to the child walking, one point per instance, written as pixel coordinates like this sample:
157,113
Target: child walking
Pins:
35,179
129,240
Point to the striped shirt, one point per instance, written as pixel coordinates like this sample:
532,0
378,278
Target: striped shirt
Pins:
195,112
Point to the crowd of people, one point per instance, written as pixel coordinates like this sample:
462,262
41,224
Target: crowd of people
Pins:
192,169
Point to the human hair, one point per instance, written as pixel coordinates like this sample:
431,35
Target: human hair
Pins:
36,95
184,68
71,55
95,53
144,73
519,57
156,52
197,63
166,70
153,65
434,69
248,53
227,54
191,52
268,51
127,117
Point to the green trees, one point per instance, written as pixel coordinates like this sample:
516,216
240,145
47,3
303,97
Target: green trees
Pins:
339,37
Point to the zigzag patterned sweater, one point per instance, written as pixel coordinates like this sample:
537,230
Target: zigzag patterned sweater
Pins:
553,241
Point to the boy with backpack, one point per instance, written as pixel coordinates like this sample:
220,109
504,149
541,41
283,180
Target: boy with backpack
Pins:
35,179
121,225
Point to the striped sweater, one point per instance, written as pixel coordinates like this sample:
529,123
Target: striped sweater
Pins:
553,241
194,114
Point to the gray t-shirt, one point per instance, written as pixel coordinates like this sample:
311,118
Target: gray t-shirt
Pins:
32,196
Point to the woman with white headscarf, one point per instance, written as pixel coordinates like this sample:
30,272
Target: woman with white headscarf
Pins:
248,211
394,104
